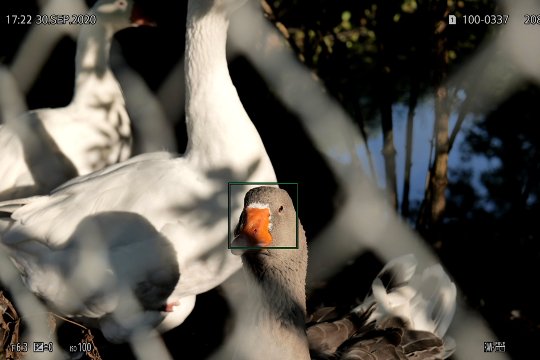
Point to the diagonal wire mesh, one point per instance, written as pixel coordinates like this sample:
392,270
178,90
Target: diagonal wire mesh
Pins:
364,221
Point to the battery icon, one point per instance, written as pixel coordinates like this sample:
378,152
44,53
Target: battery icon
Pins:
39,346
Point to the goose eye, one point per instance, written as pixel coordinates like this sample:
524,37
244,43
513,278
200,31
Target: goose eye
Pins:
280,208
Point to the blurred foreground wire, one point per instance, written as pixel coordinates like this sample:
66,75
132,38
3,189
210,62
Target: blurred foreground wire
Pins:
364,221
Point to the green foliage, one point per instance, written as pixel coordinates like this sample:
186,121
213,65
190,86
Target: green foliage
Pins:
342,42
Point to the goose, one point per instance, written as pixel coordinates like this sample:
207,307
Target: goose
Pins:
43,148
405,315
177,203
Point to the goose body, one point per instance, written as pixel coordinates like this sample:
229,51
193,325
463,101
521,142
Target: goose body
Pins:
404,317
43,148
160,199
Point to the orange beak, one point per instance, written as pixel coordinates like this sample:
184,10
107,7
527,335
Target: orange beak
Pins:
256,231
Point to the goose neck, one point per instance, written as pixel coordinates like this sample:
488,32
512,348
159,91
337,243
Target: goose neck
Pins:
208,83
219,129
278,301
92,72
277,324
205,52
221,135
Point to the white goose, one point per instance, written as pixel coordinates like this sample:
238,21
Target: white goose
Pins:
174,207
44,148
406,316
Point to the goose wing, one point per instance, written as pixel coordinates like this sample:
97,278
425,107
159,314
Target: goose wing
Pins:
114,265
405,316
53,218
30,162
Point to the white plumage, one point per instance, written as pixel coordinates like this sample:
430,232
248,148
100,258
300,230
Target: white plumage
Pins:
425,302
176,203
43,148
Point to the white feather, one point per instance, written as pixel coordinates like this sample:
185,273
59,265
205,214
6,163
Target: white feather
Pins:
150,199
43,148
425,301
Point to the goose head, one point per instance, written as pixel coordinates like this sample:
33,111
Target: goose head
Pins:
267,224
119,14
